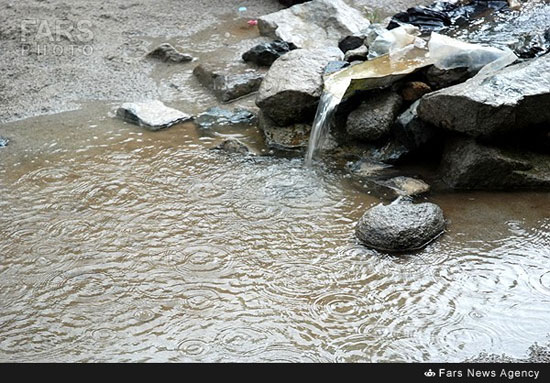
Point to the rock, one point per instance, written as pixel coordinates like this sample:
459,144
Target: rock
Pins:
391,153
266,53
406,186
467,164
215,116
413,90
400,226
359,54
369,168
316,24
294,84
507,100
152,115
352,42
289,3
3,142
414,133
228,87
443,78
374,117
335,66
232,146
166,52
292,137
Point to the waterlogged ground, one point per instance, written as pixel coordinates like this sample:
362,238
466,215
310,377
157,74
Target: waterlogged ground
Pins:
118,244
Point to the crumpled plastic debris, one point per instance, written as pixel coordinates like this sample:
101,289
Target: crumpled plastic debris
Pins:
393,41
448,53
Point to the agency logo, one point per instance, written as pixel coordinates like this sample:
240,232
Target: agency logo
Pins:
429,373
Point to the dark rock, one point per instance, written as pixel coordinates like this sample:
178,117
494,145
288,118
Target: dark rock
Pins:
167,52
152,115
352,42
400,226
423,17
233,146
374,117
391,153
359,54
228,87
467,164
510,99
293,86
289,3
413,90
4,142
443,78
414,133
316,24
292,137
266,53
215,116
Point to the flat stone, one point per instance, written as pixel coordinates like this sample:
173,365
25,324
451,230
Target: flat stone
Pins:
166,52
400,226
315,24
151,115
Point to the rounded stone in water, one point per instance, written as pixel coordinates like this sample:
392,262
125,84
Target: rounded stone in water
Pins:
400,226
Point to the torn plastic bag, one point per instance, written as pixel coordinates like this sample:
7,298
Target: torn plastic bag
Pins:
393,40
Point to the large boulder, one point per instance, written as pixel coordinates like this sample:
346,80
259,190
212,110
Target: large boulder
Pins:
316,24
151,115
228,87
293,86
467,164
373,119
494,103
400,226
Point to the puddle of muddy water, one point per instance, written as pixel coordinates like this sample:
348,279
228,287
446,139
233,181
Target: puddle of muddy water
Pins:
118,244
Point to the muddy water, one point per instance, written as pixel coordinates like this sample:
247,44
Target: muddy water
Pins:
118,244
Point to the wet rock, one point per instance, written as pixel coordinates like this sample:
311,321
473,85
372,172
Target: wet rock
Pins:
228,87
443,78
166,52
406,186
373,119
359,54
400,226
335,66
467,164
266,53
215,116
293,86
152,115
369,168
414,133
316,24
413,90
232,146
507,100
391,153
3,142
292,137
426,18
352,42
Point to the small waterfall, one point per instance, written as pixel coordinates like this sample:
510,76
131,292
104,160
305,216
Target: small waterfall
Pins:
321,124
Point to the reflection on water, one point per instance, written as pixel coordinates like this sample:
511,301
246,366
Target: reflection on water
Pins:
118,244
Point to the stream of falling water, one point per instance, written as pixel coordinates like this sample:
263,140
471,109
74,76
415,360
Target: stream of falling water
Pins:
321,125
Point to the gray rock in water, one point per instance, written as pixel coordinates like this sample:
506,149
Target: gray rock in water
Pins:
215,117
166,52
292,137
467,164
406,186
4,142
293,86
265,54
492,104
152,115
374,117
392,152
400,226
414,133
316,24
358,54
232,146
228,87
369,168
